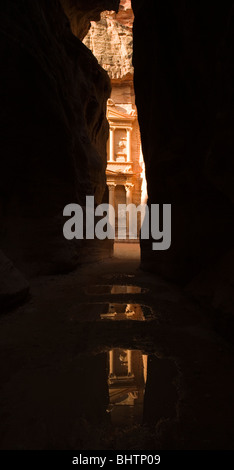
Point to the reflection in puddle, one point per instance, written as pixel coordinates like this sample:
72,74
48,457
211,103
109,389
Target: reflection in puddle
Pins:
127,377
115,289
117,396
99,311
120,312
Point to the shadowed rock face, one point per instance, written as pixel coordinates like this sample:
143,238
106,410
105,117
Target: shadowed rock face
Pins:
81,12
53,118
185,105
13,287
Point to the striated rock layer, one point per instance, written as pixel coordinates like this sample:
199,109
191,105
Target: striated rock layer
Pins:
185,106
53,121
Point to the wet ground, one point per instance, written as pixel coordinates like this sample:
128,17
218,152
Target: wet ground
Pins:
110,357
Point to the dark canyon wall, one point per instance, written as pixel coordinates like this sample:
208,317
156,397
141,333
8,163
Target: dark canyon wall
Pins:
54,132
183,58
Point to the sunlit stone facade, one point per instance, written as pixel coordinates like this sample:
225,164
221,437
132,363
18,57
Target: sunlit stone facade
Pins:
111,42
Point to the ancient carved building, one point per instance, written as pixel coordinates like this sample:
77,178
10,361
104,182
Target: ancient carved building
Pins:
126,382
111,42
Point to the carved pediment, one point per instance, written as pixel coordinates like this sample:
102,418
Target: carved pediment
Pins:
114,114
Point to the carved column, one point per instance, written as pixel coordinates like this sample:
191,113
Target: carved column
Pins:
112,143
145,365
129,362
129,140
111,187
128,188
111,361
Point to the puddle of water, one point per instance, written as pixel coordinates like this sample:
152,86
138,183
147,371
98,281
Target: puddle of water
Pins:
122,388
127,376
122,312
115,289
100,311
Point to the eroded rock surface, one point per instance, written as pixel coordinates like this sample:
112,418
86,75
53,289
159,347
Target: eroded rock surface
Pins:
81,12
53,117
111,41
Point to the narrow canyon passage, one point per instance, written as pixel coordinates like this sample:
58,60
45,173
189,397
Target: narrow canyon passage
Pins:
109,344
73,377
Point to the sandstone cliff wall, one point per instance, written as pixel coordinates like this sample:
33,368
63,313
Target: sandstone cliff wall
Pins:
54,129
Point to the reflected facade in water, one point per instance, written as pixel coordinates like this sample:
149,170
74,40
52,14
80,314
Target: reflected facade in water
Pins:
127,376
109,311
121,312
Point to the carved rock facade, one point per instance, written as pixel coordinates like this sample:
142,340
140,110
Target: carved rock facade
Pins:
111,41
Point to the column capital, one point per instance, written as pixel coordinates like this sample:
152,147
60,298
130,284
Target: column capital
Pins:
111,186
112,128
129,186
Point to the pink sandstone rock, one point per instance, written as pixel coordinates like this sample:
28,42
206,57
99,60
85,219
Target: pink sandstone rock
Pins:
111,41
